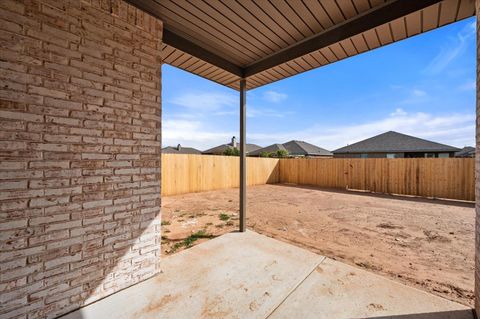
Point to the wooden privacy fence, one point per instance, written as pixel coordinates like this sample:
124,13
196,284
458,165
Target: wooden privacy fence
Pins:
196,173
452,178
427,177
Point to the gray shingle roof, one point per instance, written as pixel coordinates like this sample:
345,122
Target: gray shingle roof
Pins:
301,148
221,148
183,150
268,149
394,142
467,151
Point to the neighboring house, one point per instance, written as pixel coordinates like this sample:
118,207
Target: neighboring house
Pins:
395,145
467,151
295,149
269,149
220,149
180,150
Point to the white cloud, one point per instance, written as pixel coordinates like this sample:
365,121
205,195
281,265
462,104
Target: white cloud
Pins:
206,101
454,48
453,129
419,93
274,97
193,134
398,112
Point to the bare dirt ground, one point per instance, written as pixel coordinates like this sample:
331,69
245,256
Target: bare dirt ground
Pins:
425,243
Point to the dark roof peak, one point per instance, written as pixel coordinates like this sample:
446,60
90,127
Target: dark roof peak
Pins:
392,141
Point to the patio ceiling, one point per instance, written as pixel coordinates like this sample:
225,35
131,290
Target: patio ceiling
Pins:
268,40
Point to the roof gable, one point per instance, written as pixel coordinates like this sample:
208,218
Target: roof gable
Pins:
182,150
302,148
394,142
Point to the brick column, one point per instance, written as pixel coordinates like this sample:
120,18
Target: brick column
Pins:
80,113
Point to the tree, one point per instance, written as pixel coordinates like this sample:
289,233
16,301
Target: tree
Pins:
231,151
281,153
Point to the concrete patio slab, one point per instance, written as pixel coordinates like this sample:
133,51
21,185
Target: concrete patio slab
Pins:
237,275
247,275
337,290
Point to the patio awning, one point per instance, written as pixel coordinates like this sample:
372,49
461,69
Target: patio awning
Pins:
266,41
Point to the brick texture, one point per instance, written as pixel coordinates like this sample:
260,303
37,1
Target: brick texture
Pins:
80,113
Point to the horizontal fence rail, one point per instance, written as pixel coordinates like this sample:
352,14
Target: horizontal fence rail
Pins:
452,178
198,173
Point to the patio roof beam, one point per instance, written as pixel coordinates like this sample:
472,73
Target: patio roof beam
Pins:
181,43
375,17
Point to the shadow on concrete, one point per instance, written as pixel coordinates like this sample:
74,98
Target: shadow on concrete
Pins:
453,314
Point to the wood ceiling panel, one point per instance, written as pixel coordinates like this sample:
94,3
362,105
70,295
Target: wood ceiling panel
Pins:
398,29
349,48
333,10
311,61
328,54
361,5
257,29
196,24
237,18
338,51
277,16
319,57
359,43
466,9
303,63
319,12
295,66
372,39
448,11
285,9
262,21
307,16
414,23
348,9
384,34
173,56
430,17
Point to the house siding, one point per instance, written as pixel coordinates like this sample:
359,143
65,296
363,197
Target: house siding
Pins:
80,113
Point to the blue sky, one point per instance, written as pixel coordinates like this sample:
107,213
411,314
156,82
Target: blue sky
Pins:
422,86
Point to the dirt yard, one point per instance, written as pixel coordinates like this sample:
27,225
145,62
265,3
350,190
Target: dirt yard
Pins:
428,244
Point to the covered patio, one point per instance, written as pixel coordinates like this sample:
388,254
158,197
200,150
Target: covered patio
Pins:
80,150
247,275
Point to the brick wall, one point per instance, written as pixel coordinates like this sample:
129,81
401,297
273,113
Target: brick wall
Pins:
79,152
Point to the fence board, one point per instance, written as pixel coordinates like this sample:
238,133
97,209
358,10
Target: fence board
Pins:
184,173
452,178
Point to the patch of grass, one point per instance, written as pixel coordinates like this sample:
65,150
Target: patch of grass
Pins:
224,217
188,242
165,222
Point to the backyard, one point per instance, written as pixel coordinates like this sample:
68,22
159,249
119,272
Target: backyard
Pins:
428,244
